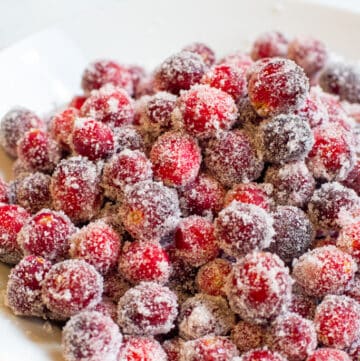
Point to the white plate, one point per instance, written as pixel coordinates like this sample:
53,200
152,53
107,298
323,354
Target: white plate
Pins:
145,32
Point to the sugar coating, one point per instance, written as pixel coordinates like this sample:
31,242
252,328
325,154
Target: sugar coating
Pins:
325,354
247,336
259,287
248,118
231,158
348,239
147,309
91,336
262,354
23,290
115,286
353,178
292,182
294,233
205,111
207,54
127,136
268,45
324,270
70,287
302,304
150,210
107,307
204,315
46,234
173,348
241,228
337,321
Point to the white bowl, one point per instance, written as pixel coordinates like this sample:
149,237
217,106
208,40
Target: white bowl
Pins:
145,32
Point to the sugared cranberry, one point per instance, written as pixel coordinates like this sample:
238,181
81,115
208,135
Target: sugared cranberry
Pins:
293,336
146,86
115,286
102,72
204,196
97,244
147,309
277,86
247,336
269,45
354,289
353,178
14,125
349,239
324,270
62,125
238,59
173,348
326,354
303,305
46,234
231,158
77,101
293,233
262,355
4,191
92,139
342,79
38,151
310,53
137,73
248,118
259,287
217,318
176,159
107,307
144,261
150,210
354,350
209,348
241,228
23,292
205,111
75,189
109,105
90,336
285,138
12,219
141,348
332,205
337,321
33,192
211,277
206,53
293,184
70,287
129,137
179,72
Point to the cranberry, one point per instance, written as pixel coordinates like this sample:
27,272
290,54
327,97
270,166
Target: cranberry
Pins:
239,60
150,210
90,336
137,73
144,261
349,239
205,111
62,126
107,307
129,137
337,321
293,184
303,305
23,292
269,45
14,124
259,287
180,71
148,309
247,336
262,355
12,219
104,72
4,191
241,228
173,348
353,178
70,287
248,118
277,86
326,354
115,286
354,289
324,270
211,277
206,53
354,350
77,101
38,151
75,189
232,159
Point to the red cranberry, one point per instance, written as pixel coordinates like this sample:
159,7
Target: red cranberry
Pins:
150,210
269,45
115,286
262,355
180,71
354,350
70,287
176,159
354,289
77,101
247,336
62,126
23,292
337,321
148,309
353,178
259,287
303,305
144,261
239,60
75,189
4,191
107,307
277,86
326,354
205,111
349,239
206,53
12,219
90,336
241,228
324,270
38,151
14,125
232,159
104,72
137,73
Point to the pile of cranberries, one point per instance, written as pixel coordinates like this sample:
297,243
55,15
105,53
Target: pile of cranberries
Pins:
206,211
